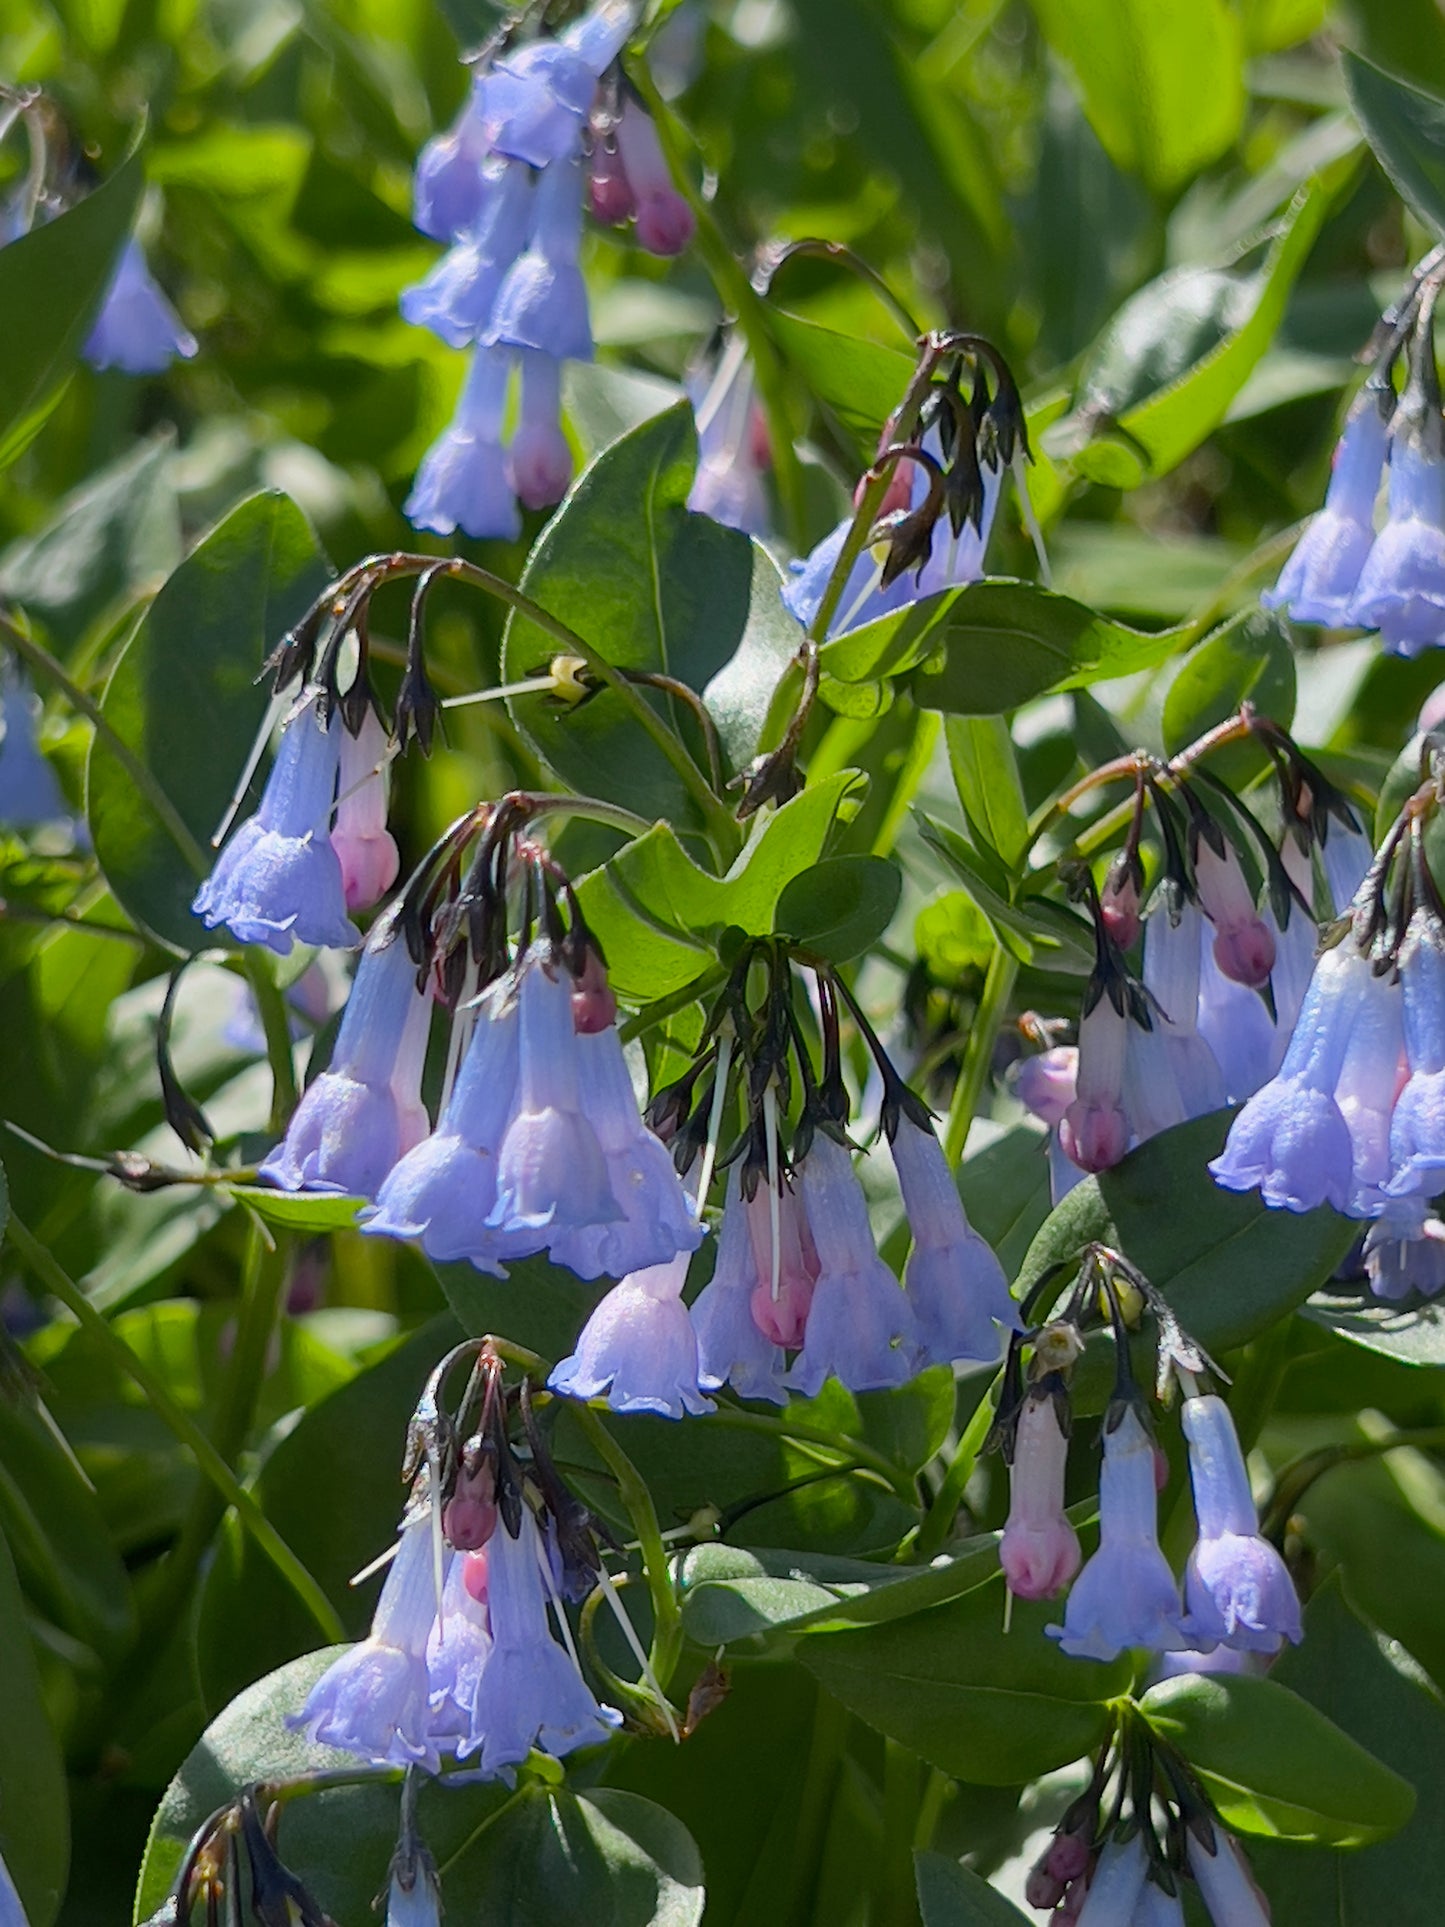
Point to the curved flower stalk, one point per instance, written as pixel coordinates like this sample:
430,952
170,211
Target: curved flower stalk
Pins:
549,126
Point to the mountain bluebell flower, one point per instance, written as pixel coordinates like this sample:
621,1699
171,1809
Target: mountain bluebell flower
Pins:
954,1283
733,1349
278,881
455,300
137,329
29,792
1225,1883
1039,1550
450,187
1171,976
1405,1250
1365,1092
364,1112
1417,1129
1155,1908
1243,941
443,1191
1125,1596
458,1647
1236,1589
535,102
552,1175
462,482
12,1913
417,1905
1291,1139
638,1348
364,847
658,1219
1320,580
1235,1024
1095,1130
731,446
1118,1882
1345,856
1401,590
529,1692
539,460
542,301
374,1699
665,223
861,1328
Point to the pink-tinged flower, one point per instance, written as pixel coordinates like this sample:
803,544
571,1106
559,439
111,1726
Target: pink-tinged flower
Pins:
365,849
733,1349
1047,1084
1095,1129
1039,1551
1236,1589
861,1329
1119,904
1243,941
1405,1250
781,1297
665,222
540,457
1126,1595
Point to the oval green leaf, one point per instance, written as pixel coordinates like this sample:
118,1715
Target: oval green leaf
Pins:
952,1895
840,905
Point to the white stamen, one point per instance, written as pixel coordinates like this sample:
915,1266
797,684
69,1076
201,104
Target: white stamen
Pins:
714,1122
381,1560
388,757
840,624
1008,1610
1031,521
629,1633
530,686
722,381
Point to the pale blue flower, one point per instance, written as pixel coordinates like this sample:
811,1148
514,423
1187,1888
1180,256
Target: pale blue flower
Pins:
462,482
1236,1590
1402,585
1225,1882
1320,579
1417,1129
732,1347
1405,1250
278,881
953,1281
638,1349
1125,1596
137,329
539,459
1117,1884
455,300
542,301
29,792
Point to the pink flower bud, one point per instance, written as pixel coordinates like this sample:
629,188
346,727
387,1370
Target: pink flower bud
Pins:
1243,942
665,222
470,1517
367,853
782,1317
1068,1855
1039,1551
1095,1129
609,192
1042,1889
1047,1084
594,1007
1119,907
474,1576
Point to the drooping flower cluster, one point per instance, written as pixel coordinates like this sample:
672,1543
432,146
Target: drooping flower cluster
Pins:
797,1270
548,123
1237,1592
1346,573
1206,1020
1134,1842
945,481
1355,1115
470,1653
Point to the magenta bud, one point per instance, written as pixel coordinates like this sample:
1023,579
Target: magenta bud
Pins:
1245,952
468,1521
594,1007
1039,1551
665,223
1094,1136
474,1576
1042,1889
609,192
1067,1857
1119,909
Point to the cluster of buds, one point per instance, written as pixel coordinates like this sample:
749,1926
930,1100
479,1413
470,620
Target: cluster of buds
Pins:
1135,1841
471,1654
1204,1019
1343,573
549,121
797,1269
944,450
233,1854
1237,1593
137,330
1355,1116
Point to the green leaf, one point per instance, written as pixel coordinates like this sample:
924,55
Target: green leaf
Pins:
860,381
299,1210
989,1706
116,536
1163,373
52,283
1228,1265
34,1807
986,776
1372,1689
732,1594
1034,927
1162,80
1274,1764
654,910
184,700
840,906
1005,1189
1410,1334
1249,661
1405,126
990,646
952,1895
653,587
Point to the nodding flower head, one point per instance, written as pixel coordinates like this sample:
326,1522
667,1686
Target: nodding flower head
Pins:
1243,941
137,329
639,1349
1321,578
462,482
278,881
733,1349
1095,1132
1401,591
542,301
1039,1551
364,847
364,1112
785,1262
954,1283
1236,1589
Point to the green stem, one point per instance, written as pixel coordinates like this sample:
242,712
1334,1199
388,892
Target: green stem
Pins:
939,1518
737,292
894,1895
165,810
664,1007
853,1454
183,1426
632,1490
820,1778
998,986
276,1024
936,1796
